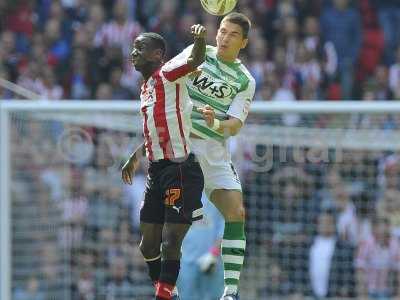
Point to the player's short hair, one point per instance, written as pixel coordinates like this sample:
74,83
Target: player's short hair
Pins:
158,42
240,19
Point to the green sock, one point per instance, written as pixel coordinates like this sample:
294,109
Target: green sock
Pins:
233,247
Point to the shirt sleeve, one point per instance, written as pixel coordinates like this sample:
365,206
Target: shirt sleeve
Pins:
177,68
240,105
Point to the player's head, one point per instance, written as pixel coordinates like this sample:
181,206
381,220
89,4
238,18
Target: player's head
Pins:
232,35
148,50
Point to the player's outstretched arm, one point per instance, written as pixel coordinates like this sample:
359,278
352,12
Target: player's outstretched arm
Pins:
131,165
198,53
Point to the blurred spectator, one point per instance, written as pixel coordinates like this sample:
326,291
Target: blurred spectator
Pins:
119,32
85,289
10,58
118,91
330,262
338,199
389,208
75,210
96,15
277,285
389,19
379,84
365,211
308,72
47,87
79,81
30,292
389,170
378,259
118,285
20,18
394,76
258,51
28,77
104,92
312,34
289,219
4,93
166,23
345,36
104,190
57,45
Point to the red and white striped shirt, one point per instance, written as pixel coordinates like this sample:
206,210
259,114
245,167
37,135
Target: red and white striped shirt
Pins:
166,109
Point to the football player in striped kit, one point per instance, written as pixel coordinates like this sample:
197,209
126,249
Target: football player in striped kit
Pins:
175,181
221,95
222,90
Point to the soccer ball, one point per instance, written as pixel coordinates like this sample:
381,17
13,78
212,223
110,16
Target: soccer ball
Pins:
218,7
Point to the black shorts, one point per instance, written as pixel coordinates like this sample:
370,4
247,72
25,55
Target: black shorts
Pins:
173,192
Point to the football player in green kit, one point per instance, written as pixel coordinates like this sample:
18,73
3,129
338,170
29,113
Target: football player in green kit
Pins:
221,92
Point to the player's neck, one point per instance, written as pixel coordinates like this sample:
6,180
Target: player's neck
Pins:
227,58
150,69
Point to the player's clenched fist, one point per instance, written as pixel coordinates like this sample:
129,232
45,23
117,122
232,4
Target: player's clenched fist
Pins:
198,31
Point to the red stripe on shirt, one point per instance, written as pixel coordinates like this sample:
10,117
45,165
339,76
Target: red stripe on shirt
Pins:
160,119
147,138
178,114
177,72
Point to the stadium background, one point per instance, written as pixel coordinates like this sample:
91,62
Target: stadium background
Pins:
74,226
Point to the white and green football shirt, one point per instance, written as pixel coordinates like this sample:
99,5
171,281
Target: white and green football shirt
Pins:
227,87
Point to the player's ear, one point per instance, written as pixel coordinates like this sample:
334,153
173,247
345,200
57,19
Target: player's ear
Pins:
158,54
244,43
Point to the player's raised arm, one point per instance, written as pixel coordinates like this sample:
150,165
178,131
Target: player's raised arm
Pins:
198,54
189,59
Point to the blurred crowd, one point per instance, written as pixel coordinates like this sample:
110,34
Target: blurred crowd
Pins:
298,50
319,224
329,228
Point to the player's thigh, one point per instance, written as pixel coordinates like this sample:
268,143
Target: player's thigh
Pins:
220,176
182,186
229,203
151,230
188,281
